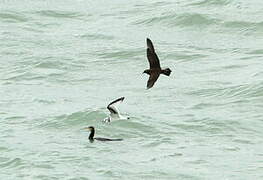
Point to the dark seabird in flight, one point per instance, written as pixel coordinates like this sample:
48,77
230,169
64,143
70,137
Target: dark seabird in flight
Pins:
155,68
114,112
92,138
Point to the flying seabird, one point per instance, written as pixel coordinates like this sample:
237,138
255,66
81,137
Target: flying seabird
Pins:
155,68
114,112
92,133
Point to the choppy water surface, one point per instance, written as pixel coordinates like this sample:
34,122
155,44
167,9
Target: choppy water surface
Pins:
62,62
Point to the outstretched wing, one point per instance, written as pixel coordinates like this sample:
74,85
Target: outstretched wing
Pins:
152,56
111,106
152,79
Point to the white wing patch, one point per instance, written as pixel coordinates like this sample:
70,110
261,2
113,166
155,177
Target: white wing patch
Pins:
114,111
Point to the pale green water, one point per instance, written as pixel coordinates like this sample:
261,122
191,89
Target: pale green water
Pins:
62,62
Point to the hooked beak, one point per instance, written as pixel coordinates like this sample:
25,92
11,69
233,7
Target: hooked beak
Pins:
87,128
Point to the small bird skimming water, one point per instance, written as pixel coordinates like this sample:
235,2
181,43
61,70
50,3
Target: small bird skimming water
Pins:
114,112
155,68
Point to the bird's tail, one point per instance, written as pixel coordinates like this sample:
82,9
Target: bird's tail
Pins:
115,139
166,71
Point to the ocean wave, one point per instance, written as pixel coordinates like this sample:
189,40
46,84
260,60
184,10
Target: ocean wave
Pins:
60,14
208,125
211,2
96,37
24,76
181,20
242,91
12,17
185,55
256,52
76,119
11,163
244,25
134,127
122,53
51,63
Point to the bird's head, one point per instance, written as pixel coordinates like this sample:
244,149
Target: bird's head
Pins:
90,128
147,71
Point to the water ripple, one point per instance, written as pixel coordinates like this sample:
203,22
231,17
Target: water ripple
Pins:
12,163
12,17
60,14
245,25
244,91
180,20
78,119
211,3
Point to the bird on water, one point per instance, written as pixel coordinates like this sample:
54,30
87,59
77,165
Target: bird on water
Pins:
114,112
155,68
92,138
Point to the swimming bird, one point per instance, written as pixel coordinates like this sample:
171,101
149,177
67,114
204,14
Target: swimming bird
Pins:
114,112
155,68
92,133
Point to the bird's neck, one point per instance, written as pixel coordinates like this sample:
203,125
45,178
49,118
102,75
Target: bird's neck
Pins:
91,136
